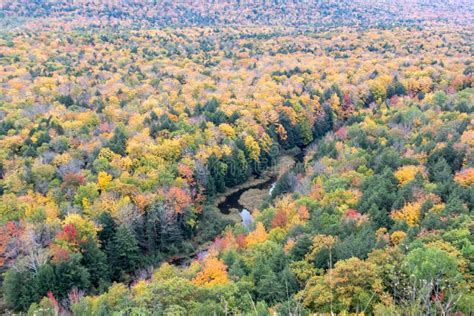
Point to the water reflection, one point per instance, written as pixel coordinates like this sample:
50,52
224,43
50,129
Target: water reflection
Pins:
272,188
247,218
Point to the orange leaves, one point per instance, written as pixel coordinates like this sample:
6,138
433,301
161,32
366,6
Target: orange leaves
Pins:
179,199
280,219
142,201
465,177
185,172
213,272
289,245
303,213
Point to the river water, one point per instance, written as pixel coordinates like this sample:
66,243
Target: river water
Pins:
232,202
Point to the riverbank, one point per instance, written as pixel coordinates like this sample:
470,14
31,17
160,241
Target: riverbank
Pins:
247,196
251,194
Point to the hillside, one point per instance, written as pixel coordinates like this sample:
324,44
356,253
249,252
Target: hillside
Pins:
243,13
216,158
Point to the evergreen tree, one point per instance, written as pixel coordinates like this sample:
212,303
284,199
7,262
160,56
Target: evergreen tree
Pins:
45,280
108,228
395,88
95,261
71,274
118,142
19,290
123,253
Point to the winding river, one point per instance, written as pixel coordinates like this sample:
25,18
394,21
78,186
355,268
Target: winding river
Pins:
246,198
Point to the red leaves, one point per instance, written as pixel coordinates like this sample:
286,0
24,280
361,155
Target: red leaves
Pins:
280,219
240,241
8,233
352,214
341,133
71,181
69,234
66,241
438,296
54,301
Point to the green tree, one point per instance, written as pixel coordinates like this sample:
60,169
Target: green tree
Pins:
118,142
19,290
123,253
95,261
71,274
435,278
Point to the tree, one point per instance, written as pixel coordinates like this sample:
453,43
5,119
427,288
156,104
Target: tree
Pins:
406,174
465,177
103,179
123,253
436,283
213,272
352,285
70,274
410,213
395,88
379,194
258,236
118,142
46,280
19,289
252,147
95,261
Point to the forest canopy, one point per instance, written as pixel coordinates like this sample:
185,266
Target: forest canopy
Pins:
125,127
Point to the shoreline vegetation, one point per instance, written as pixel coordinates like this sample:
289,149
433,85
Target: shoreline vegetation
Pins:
284,163
250,199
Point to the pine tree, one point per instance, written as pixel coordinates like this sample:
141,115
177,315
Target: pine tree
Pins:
123,252
95,261
71,274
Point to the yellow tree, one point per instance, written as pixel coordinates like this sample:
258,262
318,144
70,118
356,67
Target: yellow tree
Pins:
213,272
259,235
406,174
103,179
410,213
253,147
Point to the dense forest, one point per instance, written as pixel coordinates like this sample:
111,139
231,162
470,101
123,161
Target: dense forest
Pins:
124,124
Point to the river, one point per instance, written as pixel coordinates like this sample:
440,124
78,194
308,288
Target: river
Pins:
246,198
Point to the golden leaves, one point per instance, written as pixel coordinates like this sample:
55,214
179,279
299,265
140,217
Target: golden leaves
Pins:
253,147
213,272
227,129
258,236
103,180
410,213
406,174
